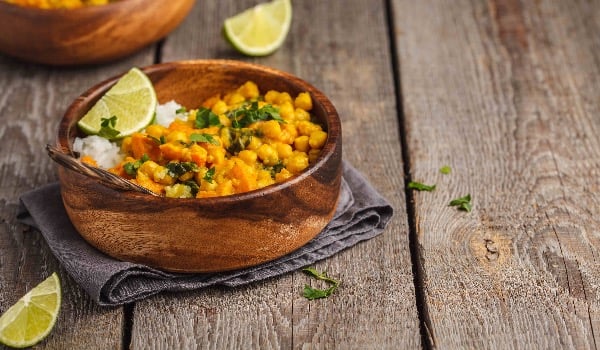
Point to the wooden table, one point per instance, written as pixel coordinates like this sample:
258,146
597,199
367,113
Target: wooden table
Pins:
507,93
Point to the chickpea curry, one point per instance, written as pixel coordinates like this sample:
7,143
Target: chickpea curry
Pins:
234,143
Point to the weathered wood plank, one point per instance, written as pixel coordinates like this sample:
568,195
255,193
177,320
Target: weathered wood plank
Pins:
375,306
507,93
32,101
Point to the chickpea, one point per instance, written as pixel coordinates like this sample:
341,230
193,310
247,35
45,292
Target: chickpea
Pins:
248,156
301,114
271,96
317,139
234,98
271,129
297,162
283,150
301,143
286,111
249,90
220,107
268,155
304,101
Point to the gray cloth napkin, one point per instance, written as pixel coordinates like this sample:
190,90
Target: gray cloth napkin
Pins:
362,213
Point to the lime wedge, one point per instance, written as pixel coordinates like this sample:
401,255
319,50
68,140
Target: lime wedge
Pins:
260,30
31,319
131,100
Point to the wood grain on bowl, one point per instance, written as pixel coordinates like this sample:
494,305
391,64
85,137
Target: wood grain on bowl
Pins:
209,234
91,34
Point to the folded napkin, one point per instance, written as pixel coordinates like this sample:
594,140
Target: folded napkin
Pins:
362,213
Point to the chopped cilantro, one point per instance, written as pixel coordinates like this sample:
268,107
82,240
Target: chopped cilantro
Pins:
420,187
239,139
161,140
275,169
311,293
193,187
463,203
205,118
207,138
176,169
180,110
131,168
248,114
208,176
107,128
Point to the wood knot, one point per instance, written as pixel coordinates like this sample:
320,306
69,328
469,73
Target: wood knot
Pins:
490,248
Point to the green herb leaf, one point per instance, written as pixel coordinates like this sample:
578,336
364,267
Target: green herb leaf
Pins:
193,186
248,114
239,139
176,169
311,293
462,203
420,187
275,169
205,118
107,128
208,176
131,168
181,110
160,141
207,138
445,170
315,293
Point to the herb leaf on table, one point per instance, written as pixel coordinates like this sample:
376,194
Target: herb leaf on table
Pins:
462,203
311,293
420,186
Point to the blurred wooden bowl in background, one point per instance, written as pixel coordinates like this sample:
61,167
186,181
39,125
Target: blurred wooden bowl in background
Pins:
87,35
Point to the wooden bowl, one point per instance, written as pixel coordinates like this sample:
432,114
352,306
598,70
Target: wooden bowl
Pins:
91,34
211,234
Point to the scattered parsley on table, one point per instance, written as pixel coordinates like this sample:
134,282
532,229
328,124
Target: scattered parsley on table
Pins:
311,293
445,170
420,186
462,203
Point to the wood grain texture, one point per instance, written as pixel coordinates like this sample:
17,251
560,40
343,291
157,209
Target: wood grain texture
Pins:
32,101
507,94
374,307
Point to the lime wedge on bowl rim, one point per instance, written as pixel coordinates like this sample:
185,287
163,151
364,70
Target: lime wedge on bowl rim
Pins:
132,100
259,30
32,317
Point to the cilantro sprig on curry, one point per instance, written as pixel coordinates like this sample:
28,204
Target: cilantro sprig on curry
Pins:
235,142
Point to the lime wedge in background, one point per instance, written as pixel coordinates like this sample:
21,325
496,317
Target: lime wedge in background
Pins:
31,319
132,100
260,30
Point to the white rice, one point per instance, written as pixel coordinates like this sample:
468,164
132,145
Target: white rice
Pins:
167,113
108,154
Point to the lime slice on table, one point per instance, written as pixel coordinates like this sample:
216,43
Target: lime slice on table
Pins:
260,30
131,100
31,319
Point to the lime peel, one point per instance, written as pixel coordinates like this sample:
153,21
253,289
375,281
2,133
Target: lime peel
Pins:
32,317
132,100
260,30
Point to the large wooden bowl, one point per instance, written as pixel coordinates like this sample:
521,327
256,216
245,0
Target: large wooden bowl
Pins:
92,34
211,234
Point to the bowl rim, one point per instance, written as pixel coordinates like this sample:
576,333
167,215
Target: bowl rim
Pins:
332,120
36,11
